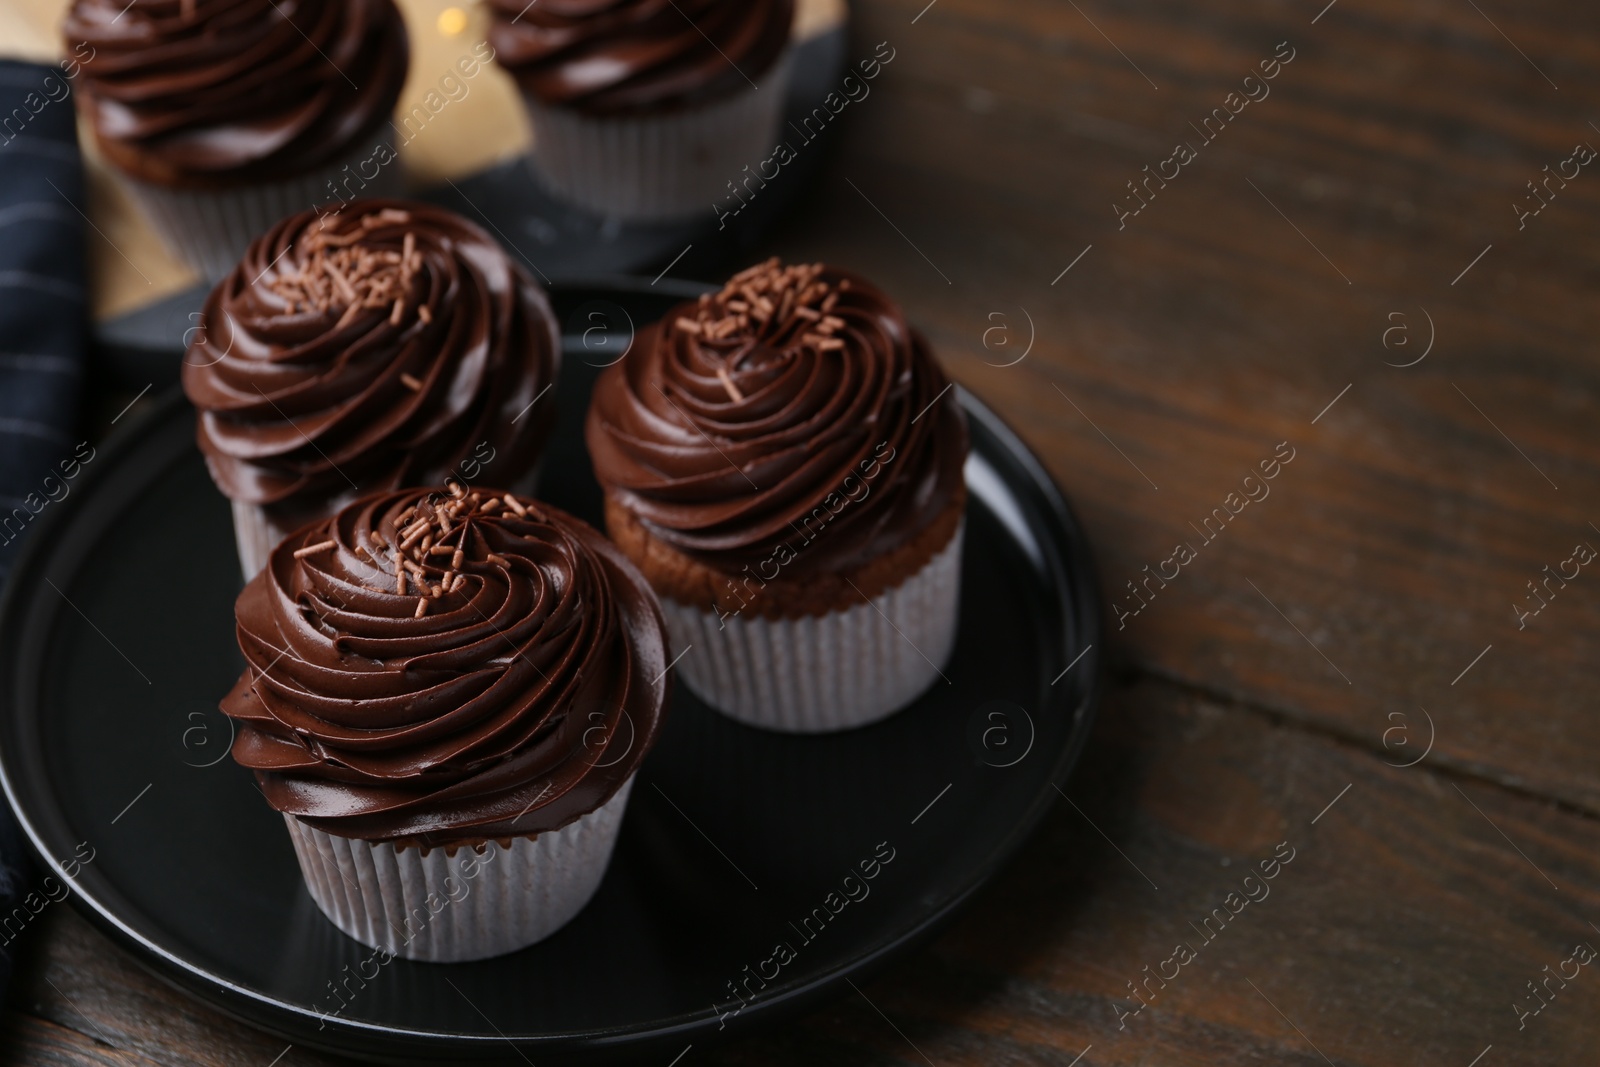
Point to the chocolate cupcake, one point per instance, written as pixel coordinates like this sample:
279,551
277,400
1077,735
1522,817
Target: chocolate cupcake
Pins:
392,344
447,697
783,461
224,116
647,109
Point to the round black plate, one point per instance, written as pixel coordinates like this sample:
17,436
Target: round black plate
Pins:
116,641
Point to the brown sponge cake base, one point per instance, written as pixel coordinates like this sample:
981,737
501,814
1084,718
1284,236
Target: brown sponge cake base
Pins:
688,581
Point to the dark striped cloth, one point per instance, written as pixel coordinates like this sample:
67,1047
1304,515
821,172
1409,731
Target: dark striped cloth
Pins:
44,322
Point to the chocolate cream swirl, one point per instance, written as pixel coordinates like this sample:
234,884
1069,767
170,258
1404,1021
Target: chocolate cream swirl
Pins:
373,348
440,669
202,91
737,417
611,56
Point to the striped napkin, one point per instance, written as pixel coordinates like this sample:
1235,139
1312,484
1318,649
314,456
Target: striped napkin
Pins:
44,324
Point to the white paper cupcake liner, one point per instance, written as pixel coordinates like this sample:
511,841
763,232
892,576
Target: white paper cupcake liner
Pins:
257,531
662,166
210,229
469,905
256,535
828,672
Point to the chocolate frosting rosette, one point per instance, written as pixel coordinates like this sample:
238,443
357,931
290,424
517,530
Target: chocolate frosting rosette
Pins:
447,696
647,109
388,345
226,115
783,460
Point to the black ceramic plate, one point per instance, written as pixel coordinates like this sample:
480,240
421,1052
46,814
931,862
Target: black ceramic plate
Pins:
116,640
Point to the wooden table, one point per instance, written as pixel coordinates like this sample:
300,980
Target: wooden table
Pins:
1342,269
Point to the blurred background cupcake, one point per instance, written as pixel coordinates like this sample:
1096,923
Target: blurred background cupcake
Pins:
390,344
783,460
223,116
647,109
447,696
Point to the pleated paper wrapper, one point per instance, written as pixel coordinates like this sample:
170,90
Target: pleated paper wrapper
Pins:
820,673
257,533
428,907
663,166
210,229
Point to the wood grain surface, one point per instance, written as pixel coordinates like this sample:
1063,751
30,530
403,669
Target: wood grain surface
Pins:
1278,293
